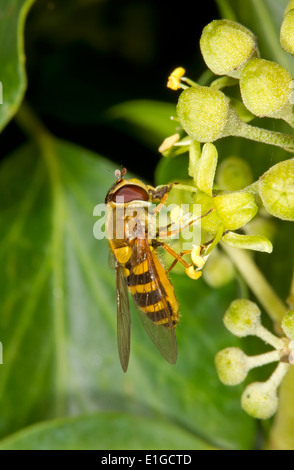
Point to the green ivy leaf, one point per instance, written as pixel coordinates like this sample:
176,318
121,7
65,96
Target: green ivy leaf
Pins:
58,326
12,74
148,121
110,430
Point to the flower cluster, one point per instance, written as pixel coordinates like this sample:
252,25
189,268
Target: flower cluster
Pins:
230,198
259,399
207,114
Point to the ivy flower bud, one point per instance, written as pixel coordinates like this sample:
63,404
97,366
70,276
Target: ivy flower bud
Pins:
259,400
226,46
231,365
242,317
289,7
233,174
203,112
287,32
288,324
265,87
276,189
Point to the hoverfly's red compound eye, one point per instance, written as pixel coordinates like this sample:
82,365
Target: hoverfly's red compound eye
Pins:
130,192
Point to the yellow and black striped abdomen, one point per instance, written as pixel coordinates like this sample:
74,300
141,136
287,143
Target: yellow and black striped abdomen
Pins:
152,290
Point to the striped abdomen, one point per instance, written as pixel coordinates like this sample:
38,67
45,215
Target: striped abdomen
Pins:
152,291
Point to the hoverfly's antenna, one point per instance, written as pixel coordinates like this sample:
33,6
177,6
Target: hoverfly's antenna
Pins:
119,174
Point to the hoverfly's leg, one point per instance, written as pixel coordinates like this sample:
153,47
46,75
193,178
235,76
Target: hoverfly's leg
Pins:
177,256
180,259
190,268
161,195
213,242
170,233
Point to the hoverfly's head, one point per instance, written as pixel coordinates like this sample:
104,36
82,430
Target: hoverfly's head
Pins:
124,191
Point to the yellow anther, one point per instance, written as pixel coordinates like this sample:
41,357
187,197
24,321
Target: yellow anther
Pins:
175,78
198,261
196,258
169,142
193,274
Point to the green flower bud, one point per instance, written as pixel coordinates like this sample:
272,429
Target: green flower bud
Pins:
289,7
287,32
226,46
206,114
203,112
265,87
231,366
242,317
206,169
233,174
260,400
288,324
235,209
248,242
219,269
276,189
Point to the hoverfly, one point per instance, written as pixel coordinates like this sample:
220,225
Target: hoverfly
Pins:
138,269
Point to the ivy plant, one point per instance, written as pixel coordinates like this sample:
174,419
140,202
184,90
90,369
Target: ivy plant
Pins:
230,147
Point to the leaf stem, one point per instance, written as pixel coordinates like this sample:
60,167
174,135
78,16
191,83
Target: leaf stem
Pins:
257,283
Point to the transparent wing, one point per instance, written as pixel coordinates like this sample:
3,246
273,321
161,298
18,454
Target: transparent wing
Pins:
111,260
123,317
162,335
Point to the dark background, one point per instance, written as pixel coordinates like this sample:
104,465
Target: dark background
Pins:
84,56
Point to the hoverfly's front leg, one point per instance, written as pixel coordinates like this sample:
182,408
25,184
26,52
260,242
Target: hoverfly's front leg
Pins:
166,233
161,194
